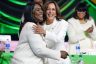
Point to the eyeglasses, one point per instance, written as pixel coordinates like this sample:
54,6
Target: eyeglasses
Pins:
81,12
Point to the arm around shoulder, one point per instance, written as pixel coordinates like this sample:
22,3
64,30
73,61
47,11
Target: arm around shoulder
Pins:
38,46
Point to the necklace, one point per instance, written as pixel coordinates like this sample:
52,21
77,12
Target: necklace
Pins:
82,21
51,27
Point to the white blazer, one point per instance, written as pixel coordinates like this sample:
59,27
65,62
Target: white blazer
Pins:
55,35
76,34
31,48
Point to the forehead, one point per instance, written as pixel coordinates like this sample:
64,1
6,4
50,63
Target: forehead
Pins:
36,6
51,5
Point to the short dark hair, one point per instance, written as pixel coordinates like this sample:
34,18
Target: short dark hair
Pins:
81,7
58,14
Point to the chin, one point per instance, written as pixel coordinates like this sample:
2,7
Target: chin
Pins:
40,20
50,18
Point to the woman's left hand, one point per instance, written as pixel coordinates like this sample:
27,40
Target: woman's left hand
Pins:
39,29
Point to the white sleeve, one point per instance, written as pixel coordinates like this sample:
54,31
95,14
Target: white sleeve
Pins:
74,37
38,46
93,34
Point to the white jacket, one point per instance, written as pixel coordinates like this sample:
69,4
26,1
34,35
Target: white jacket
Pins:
31,48
55,35
76,34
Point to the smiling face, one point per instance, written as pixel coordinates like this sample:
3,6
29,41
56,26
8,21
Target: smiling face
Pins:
38,12
81,14
51,11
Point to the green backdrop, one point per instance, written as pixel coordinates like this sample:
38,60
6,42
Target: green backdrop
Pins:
11,12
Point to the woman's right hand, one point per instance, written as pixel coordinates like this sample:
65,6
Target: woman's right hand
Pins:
39,29
64,54
90,29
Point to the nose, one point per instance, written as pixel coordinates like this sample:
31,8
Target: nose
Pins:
50,11
41,11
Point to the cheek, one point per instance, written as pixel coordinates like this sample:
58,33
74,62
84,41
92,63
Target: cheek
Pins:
55,14
81,15
36,14
47,12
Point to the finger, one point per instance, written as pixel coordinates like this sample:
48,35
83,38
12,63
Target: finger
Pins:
34,26
91,26
38,27
38,32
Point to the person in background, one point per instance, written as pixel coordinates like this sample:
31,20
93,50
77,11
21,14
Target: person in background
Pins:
40,1
2,47
53,30
81,30
31,48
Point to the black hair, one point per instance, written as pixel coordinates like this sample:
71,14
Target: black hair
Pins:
28,17
81,7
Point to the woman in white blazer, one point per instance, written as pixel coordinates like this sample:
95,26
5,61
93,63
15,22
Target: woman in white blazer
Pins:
81,30
31,48
54,30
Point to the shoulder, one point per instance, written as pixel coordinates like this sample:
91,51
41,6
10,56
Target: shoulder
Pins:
64,22
71,19
91,19
29,24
